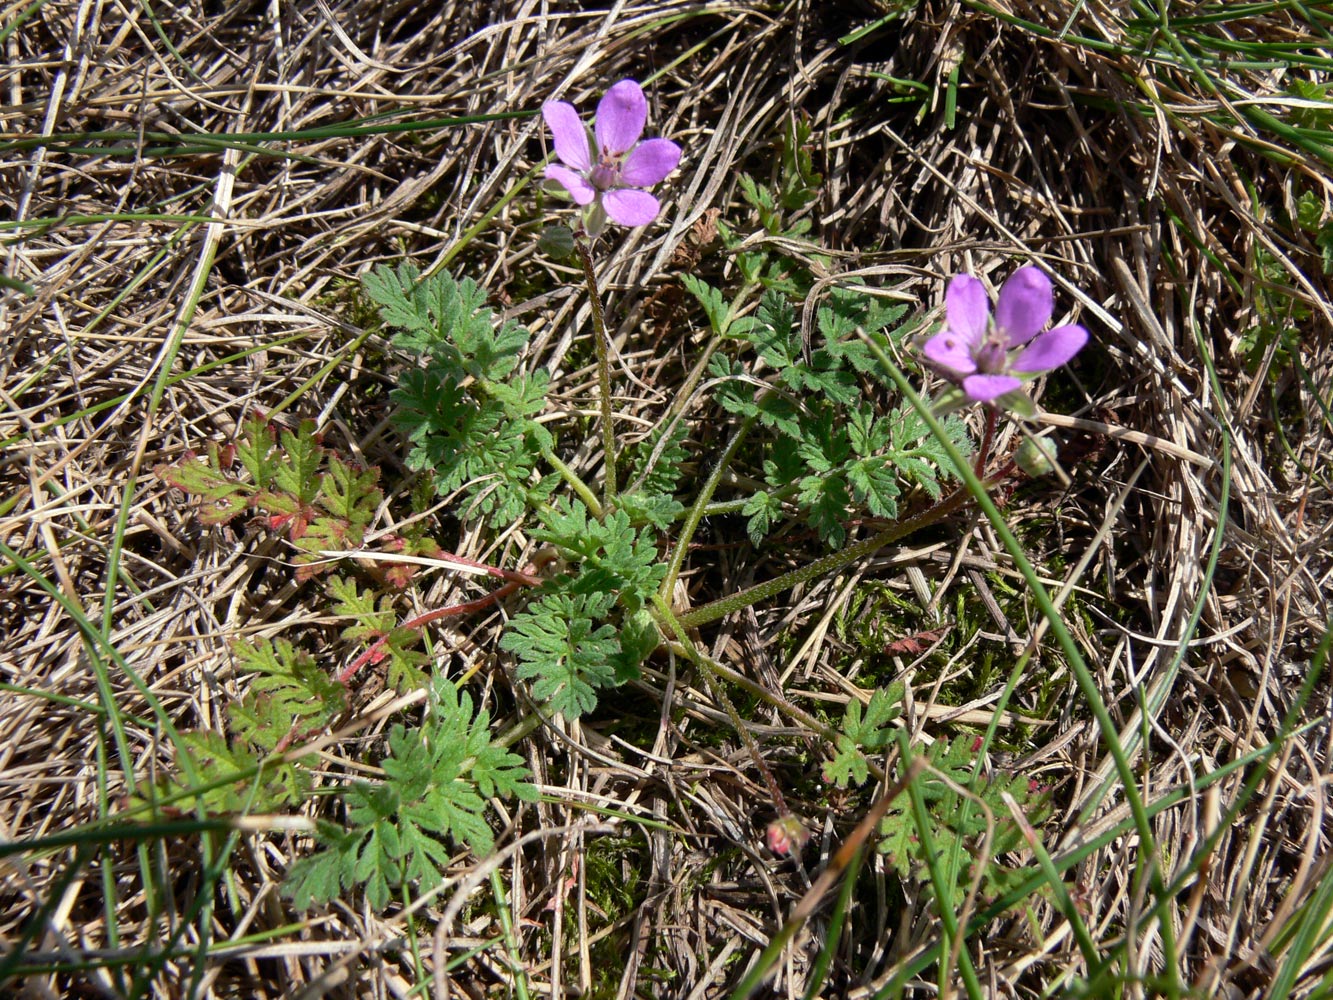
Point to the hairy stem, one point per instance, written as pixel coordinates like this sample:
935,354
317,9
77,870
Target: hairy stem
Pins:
696,513
575,482
603,370
830,563
716,689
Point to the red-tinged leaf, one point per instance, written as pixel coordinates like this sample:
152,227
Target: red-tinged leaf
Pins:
309,567
912,645
278,503
399,575
223,497
298,526
220,513
194,475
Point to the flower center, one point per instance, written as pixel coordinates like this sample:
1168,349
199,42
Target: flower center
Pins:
992,356
606,174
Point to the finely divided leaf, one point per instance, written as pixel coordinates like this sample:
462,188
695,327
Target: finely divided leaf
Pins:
290,692
438,778
297,471
715,306
562,650
874,484
763,510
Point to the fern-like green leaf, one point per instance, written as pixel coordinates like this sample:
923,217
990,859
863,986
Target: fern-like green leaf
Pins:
350,493
563,651
255,449
445,319
225,778
655,467
916,455
438,779
623,559
957,824
467,442
298,469
658,510
824,501
713,301
375,621
639,636
734,391
290,693
874,484
763,510
849,765
323,876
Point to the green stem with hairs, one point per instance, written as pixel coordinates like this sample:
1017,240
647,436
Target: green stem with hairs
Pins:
700,506
696,513
715,688
829,564
798,716
603,371
575,482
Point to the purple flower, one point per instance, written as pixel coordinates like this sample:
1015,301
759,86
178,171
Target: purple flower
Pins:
988,358
612,183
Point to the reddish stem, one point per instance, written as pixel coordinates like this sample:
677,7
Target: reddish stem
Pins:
516,579
984,451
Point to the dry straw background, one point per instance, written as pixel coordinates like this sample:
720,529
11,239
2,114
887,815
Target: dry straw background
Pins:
180,282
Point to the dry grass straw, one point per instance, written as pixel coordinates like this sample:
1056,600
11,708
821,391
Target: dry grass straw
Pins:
1153,221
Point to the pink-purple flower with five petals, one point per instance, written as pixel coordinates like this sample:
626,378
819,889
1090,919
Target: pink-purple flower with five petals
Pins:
989,359
609,171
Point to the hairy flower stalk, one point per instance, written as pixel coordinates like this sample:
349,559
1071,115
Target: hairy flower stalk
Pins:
601,343
607,172
990,359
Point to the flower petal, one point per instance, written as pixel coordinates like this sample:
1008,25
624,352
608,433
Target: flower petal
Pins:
984,388
947,351
621,115
631,207
649,163
1024,305
571,138
1051,349
967,308
579,189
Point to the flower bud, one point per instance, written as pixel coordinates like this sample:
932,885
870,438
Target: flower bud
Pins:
786,835
1037,456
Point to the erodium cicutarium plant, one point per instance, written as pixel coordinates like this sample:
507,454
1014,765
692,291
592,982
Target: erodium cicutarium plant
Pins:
805,435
